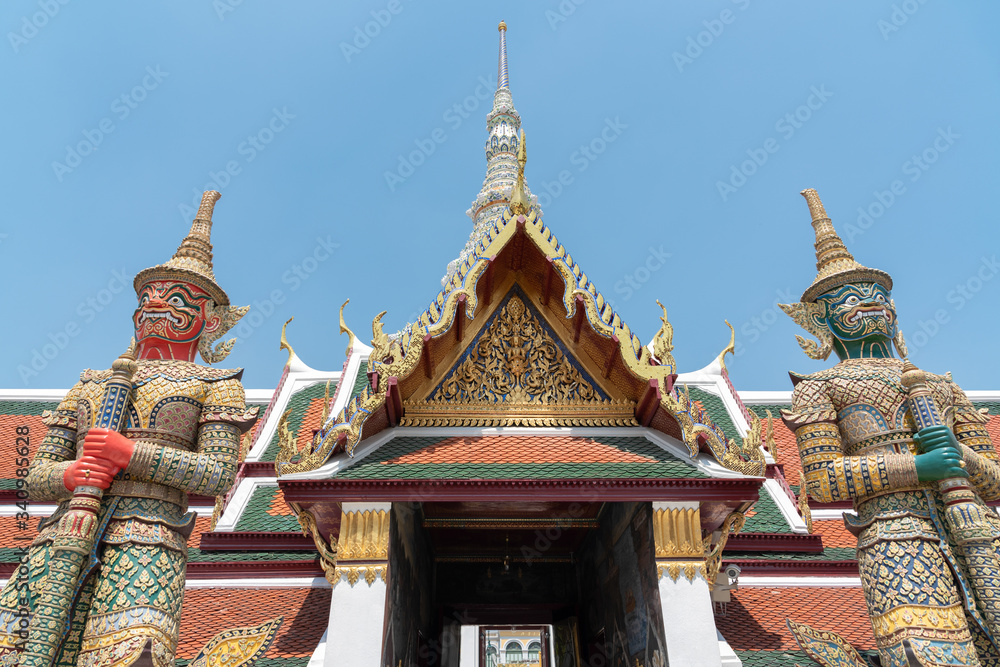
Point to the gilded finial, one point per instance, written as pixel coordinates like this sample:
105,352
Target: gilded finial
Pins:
729,349
502,80
519,203
346,329
835,265
285,345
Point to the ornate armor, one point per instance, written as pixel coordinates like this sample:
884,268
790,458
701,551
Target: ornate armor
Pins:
855,438
186,421
106,573
928,566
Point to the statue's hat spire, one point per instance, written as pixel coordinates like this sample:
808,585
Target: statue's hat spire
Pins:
193,260
835,265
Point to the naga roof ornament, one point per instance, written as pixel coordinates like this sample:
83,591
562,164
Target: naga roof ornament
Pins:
503,124
835,265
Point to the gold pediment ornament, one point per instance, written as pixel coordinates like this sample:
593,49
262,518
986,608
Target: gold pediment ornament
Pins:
516,373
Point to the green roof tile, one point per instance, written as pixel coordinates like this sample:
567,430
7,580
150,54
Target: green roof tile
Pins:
376,466
298,404
767,517
28,408
256,518
716,409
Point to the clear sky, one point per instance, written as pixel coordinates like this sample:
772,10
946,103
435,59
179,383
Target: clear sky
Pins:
720,113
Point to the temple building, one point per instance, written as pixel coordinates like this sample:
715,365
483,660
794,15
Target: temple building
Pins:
515,478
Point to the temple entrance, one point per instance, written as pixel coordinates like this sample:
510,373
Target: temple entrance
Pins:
544,584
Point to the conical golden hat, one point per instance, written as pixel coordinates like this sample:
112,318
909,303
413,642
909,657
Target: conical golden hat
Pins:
835,265
192,262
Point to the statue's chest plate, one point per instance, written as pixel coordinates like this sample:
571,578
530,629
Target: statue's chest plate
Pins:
871,408
162,409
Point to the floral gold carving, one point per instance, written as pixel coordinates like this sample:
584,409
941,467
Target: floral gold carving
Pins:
517,375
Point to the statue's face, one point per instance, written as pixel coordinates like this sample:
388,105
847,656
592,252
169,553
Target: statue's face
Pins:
860,311
171,311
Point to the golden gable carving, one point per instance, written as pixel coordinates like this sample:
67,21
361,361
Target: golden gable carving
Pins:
517,375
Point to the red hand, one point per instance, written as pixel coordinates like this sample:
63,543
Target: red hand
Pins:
109,446
88,471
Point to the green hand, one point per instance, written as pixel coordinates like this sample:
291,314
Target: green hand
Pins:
940,463
935,437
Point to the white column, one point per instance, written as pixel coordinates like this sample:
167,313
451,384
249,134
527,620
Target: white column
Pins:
689,622
470,646
686,600
354,634
358,603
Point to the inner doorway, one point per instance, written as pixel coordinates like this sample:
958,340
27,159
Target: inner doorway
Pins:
514,646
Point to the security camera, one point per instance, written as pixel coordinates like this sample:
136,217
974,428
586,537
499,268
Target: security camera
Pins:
733,571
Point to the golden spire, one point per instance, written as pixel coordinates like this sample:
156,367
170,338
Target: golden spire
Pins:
193,260
835,265
518,200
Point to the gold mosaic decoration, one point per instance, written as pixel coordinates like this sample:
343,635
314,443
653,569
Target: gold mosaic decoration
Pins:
238,647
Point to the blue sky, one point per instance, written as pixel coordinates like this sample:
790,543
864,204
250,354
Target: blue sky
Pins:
722,112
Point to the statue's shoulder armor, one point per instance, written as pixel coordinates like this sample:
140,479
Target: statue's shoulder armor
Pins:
178,371
799,377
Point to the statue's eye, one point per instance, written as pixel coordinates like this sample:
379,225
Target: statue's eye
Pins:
880,298
852,300
176,301
144,300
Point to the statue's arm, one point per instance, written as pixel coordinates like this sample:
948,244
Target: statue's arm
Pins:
56,452
981,460
831,475
211,469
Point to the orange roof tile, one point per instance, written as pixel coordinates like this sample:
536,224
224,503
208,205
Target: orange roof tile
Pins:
279,507
8,440
310,421
993,426
755,619
521,449
208,611
788,450
202,524
834,533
